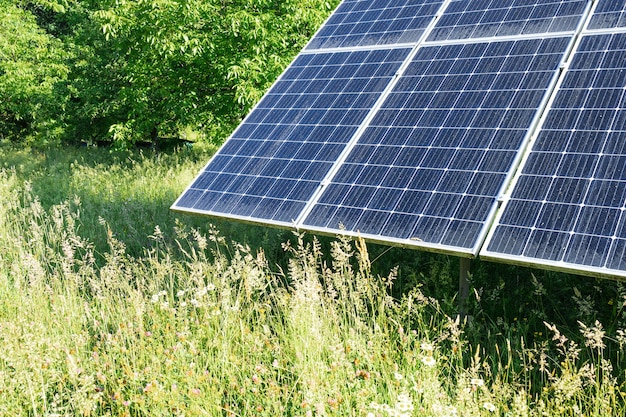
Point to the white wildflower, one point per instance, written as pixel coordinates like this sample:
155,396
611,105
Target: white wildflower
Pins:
429,361
427,347
404,403
374,406
489,407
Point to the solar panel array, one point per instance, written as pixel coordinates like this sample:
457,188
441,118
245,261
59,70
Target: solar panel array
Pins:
433,159
276,159
568,207
453,126
488,18
376,22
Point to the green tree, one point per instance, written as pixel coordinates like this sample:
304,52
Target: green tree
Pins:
32,64
131,70
195,63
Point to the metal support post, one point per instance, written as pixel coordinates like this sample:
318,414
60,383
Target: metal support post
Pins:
464,271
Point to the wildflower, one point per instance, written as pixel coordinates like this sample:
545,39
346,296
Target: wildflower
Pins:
397,376
429,361
210,287
180,293
489,407
404,397
155,298
427,347
404,403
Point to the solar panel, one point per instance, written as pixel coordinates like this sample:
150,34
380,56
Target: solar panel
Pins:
377,22
430,165
275,160
412,121
608,14
465,19
568,206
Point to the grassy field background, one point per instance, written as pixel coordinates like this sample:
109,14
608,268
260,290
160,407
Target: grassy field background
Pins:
111,305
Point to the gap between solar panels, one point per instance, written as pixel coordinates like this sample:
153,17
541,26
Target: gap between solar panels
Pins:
440,125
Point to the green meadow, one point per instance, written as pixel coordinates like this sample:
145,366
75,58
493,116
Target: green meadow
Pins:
112,305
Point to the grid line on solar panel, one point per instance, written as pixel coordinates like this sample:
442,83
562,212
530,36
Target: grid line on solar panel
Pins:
375,22
274,162
466,19
608,14
568,205
432,161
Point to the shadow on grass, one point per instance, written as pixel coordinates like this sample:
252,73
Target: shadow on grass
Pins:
131,191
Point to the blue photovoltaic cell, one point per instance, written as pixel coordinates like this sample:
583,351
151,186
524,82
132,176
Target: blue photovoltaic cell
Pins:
428,167
609,14
569,204
276,159
431,164
465,19
376,22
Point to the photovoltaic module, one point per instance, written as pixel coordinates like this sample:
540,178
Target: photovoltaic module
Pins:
490,128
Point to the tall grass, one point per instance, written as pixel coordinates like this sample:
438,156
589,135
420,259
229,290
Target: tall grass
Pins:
188,322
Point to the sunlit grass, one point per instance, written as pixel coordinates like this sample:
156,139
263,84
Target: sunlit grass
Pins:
174,318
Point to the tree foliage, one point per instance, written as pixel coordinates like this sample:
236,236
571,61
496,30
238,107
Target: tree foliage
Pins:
143,69
32,66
